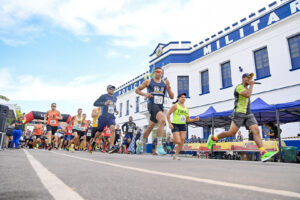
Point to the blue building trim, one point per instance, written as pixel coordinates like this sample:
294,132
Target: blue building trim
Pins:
282,12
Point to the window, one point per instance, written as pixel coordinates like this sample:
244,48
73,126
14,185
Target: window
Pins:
294,46
262,63
127,107
204,82
226,75
206,132
137,101
183,85
121,105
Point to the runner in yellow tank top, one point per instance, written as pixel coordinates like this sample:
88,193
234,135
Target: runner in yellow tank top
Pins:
95,133
178,125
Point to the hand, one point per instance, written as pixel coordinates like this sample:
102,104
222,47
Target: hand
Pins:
148,95
251,82
171,126
107,102
196,119
117,112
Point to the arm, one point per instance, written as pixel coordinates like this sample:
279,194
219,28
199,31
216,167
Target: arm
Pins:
170,92
59,116
125,124
172,109
141,87
247,92
95,113
101,101
188,119
45,117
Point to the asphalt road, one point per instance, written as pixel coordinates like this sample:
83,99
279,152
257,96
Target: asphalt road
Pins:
115,176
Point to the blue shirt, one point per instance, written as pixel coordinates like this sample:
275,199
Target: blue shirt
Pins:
158,91
107,111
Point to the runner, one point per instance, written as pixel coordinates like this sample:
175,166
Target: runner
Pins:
242,116
118,137
107,117
106,139
69,136
17,133
57,137
156,92
83,132
95,133
77,125
89,135
178,125
37,131
130,127
51,119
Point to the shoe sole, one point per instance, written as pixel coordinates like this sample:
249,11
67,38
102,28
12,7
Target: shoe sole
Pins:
268,158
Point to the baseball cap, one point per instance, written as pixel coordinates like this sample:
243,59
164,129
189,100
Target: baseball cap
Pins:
248,75
179,95
111,87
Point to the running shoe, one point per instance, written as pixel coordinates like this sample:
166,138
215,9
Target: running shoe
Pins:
176,158
160,150
210,142
268,155
112,150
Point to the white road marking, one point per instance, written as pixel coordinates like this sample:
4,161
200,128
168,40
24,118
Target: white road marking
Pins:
58,189
189,178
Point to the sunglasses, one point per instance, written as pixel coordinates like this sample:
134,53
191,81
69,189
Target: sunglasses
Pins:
159,71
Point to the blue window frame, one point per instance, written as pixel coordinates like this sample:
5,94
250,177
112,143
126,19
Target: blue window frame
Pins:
127,107
120,114
294,46
204,82
262,63
226,75
206,132
183,85
137,101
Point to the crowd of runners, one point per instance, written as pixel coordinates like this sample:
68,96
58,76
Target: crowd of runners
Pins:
103,134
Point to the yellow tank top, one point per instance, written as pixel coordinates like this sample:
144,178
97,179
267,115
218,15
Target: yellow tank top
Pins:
95,119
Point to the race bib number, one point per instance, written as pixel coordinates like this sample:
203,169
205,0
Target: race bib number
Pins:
182,118
158,99
89,133
111,109
77,127
70,131
52,122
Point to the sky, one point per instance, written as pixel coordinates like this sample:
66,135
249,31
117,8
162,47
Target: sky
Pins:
69,51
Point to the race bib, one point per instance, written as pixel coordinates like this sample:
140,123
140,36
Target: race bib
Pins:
111,108
70,131
130,129
89,133
52,122
182,118
158,99
82,128
77,126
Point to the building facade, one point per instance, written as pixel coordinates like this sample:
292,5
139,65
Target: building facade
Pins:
266,43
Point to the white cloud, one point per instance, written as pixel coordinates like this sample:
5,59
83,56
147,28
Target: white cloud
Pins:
115,54
131,23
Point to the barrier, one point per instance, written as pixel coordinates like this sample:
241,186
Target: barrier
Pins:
2,140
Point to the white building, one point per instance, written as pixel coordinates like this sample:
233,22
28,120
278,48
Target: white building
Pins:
266,42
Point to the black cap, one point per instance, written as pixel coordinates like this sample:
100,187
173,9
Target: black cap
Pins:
179,95
157,68
248,75
111,87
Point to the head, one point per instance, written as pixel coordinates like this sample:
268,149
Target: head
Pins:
84,116
53,106
240,133
79,111
118,126
158,72
89,122
130,119
139,130
246,78
181,98
111,89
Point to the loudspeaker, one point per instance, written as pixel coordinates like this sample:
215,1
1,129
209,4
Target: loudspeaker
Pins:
3,117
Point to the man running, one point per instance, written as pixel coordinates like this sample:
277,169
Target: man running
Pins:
242,116
95,133
118,137
51,119
107,118
157,89
77,126
89,135
37,131
83,132
130,127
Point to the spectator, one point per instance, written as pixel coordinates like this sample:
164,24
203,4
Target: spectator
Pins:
273,130
9,135
240,137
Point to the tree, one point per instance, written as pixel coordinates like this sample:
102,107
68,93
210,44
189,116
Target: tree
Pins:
4,98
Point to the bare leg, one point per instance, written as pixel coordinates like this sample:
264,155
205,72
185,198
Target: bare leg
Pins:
232,131
161,124
112,135
149,129
256,135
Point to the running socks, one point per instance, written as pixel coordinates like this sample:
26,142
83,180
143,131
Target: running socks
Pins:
262,150
215,138
159,141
